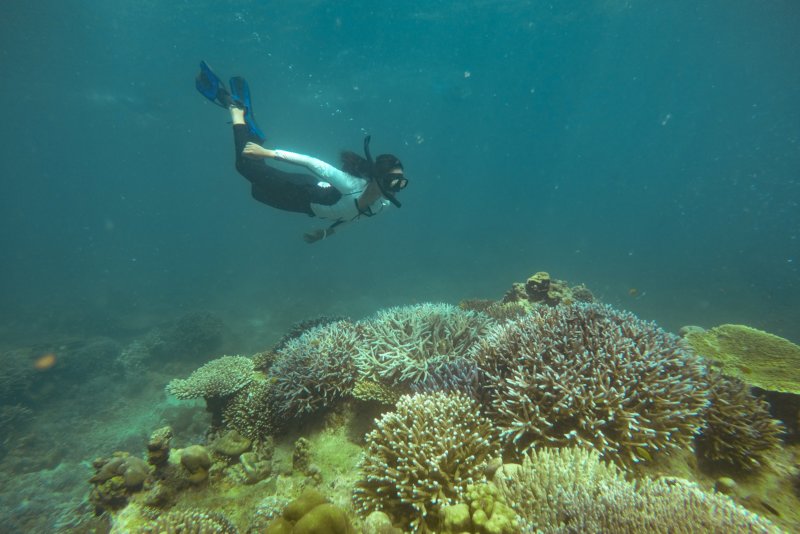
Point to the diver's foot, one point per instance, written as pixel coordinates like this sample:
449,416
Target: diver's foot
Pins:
237,114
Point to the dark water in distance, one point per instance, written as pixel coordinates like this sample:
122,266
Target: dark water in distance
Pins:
623,144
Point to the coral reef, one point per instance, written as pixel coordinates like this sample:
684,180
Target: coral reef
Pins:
402,346
738,428
572,490
218,378
189,521
422,457
593,376
314,370
755,357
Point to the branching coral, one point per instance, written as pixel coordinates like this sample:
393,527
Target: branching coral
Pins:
402,346
186,521
738,429
314,370
249,411
571,490
422,457
218,378
593,376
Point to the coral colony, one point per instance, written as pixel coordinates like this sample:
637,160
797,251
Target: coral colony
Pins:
545,411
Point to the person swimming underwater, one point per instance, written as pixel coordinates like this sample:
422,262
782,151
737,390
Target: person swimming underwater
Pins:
363,187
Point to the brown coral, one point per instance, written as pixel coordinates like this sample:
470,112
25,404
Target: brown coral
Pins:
592,376
738,428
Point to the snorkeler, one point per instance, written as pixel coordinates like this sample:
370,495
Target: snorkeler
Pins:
363,187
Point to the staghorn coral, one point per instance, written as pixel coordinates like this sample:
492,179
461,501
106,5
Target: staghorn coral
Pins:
459,374
758,358
738,428
218,378
298,329
568,490
590,375
422,457
189,521
404,345
314,370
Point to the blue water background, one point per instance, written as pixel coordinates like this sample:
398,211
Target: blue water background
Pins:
650,150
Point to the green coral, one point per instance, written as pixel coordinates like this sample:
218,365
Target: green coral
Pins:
758,358
218,378
311,513
186,521
484,511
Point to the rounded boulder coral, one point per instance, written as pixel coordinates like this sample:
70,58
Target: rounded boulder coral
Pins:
422,457
592,376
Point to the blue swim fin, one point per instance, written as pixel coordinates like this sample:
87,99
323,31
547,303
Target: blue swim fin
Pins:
240,93
211,87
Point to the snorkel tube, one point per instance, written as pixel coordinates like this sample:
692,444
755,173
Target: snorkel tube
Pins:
378,179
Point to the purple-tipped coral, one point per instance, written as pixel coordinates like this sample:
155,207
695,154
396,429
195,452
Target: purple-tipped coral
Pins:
314,370
422,457
592,376
403,346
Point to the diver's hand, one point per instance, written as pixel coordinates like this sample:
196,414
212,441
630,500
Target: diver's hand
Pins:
254,151
316,235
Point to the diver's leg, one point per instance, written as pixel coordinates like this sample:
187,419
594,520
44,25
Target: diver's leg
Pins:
271,186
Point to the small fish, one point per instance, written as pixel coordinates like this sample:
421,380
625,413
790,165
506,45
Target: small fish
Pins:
642,452
634,292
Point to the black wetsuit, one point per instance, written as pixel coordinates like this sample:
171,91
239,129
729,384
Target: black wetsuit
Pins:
280,189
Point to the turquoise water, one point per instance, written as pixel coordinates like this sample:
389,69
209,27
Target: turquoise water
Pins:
650,150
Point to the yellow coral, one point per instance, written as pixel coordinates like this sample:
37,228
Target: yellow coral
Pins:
758,358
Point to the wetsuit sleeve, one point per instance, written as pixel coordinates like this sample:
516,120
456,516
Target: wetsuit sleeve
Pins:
342,181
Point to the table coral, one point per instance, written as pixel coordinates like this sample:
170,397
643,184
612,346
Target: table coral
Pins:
593,376
422,457
758,358
218,378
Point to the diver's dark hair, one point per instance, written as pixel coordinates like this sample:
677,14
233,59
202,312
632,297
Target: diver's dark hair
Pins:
357,165
354,164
